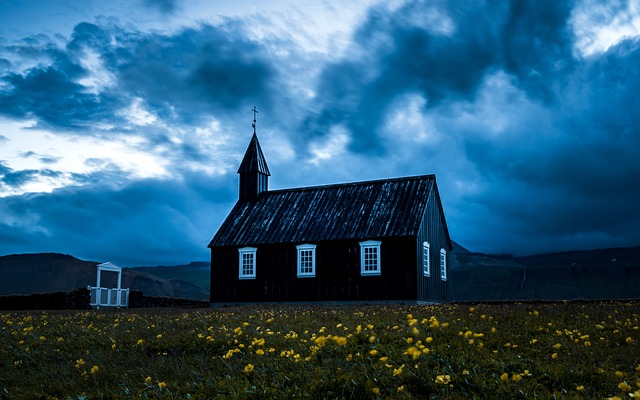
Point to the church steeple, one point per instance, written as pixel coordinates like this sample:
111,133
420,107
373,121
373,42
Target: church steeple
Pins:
253,170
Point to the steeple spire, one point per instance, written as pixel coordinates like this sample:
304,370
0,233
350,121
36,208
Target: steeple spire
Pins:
253,170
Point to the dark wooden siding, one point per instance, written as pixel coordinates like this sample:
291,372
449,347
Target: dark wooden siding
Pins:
337,273
433,229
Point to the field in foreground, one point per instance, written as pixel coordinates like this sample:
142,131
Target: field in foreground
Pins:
563,350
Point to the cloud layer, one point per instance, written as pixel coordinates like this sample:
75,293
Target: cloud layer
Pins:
533,140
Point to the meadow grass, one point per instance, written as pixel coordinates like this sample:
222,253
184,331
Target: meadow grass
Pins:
486,351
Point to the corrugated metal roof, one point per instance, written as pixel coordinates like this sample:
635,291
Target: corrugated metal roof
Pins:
253,160
371,209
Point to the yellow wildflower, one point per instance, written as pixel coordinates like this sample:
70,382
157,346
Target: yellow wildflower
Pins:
398,371
260,352
147,379
373,352
341,340
516,377
624,386
372,339
248,368
375,391
95,369
443,379
580,388
504,377
554,355
619,374
384,359
79,363
400,388
162,385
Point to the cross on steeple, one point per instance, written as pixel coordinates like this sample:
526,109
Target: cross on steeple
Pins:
255,111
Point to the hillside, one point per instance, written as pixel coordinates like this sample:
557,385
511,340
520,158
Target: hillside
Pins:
53,272
595,274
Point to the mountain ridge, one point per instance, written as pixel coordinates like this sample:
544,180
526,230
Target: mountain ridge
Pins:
609,273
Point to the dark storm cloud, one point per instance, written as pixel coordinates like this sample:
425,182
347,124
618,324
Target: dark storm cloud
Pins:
563,173
164,6
149,221
51,93
183,77
404,53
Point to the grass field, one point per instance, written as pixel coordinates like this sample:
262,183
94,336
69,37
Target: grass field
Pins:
486,351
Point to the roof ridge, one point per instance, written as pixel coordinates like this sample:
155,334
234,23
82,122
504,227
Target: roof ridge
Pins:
357,183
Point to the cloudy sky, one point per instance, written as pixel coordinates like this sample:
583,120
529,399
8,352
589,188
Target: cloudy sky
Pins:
123,122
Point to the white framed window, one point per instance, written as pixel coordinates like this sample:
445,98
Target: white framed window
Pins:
426,259
443,264
370,257
306,260
247,265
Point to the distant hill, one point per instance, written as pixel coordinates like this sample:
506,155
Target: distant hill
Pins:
595,274
53,272
190,281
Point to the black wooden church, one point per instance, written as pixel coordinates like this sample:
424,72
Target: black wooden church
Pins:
361,241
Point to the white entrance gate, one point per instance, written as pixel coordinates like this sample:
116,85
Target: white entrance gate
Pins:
107,297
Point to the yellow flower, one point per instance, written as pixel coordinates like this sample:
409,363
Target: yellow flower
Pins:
95,369
400,388
260,352
162,385
372,339
249,368
320,340
443,379
554,355
398,371
619,374
139,342
580,388
375,391
384,359
624,386
341,340
504,377
516,377
373,352
556,346
79,363
147,379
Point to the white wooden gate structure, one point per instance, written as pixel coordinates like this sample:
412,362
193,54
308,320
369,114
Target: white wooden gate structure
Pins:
106,297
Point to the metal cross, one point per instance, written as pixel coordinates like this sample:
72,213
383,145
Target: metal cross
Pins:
255,111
